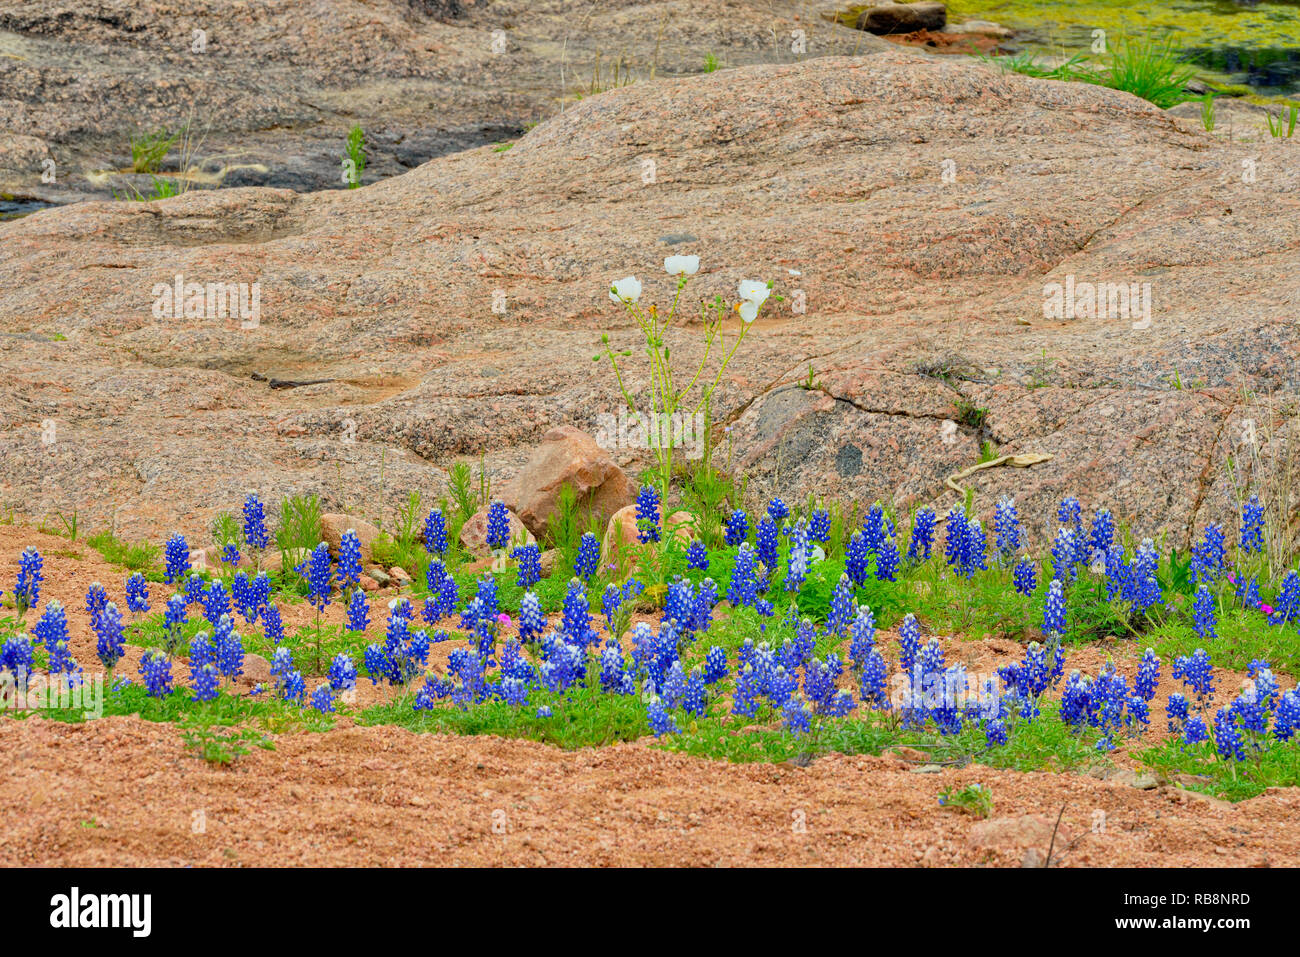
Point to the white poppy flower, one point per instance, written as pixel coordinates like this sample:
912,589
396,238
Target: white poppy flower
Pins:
627,289
754,290
682,265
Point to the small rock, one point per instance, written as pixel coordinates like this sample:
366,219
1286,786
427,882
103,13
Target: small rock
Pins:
381,577
982,28
369,584
568,456
333,525
927,769
399,574
257,669
548,560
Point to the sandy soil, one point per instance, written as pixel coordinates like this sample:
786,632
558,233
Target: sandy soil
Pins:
121,791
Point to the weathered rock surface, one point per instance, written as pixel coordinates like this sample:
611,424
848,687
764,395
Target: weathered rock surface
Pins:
924,203
334,526
271,89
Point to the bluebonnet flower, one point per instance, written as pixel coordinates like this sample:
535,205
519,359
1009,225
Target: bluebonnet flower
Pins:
443,592
1176,712
1006,528
742,589
887,561
531,620
173,620
1248,592
843,608
1148,676
1209,556
203,668
435,532
216,601
1064,551
342,673
973,551
874,525
922,540
796,717
51,630
17,655
767,543
529,558
954,543
137,593
498,525
358,611
737,529
349,565
679,603
612,668
1287,720
1287,605
108,628
514,692
1025,577
322,699
647,514
230,554
1116,570
156,670
819,525
177,556
575,615
584,566
995,733
909,641
255,523
797,564
697,556
27,591
195,588
544,711
706,597
778,511
1227,737
228,648
1054,610
1252,526
1103,531
1142,588
872,687
857,559
319,577
96,599
251,597
1203,609
272,624
715,665
1195,731
862,637
1196,673
661,722
1070,512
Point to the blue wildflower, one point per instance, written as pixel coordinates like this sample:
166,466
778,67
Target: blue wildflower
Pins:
342,673
319,577
697,556
766,540
529,558
1025,577
1252,526
922,540
584,566
435,532
156,670
647,514
1054,610
322,699
358,611
176,554
498,525
349,565
1204,614
737,529
27,591
137,593
1006,528
108,627
255,534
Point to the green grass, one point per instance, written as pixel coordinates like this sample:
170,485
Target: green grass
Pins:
1150,69
150,149
1276,767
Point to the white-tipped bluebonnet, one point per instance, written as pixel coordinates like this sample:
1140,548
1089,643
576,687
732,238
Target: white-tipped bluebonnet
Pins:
1148,676
1195,672
530,565
661,722
1287,720
111,644
706,596
715,665
272,624
887,561
922,538
1204,614
1025,577
1054,610
216,601
544,711
17,656
1142,587
137,593
737,529
176,555
255,523
1286,608
909,642
435,532
358,611
742,589
349,565
1252,526
797,564
531,620
228,648
575,616
857,559
322,699
778,511
588,558
1195,731
1103,531
843,607
1227,736
862,637
819,525
203,669
444,592
498,525
319,577
96,599
697,556
1006,528
27,591
1064,552
1209,556
1176,712
795,716
195,587
647,514
156,670
872,688
767,543
342,673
